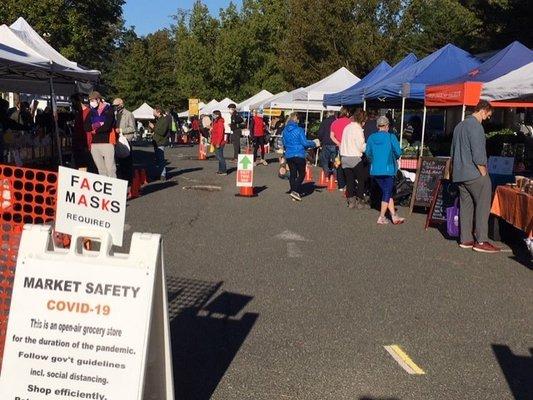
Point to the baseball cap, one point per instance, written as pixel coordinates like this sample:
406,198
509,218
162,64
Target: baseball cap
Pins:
382,121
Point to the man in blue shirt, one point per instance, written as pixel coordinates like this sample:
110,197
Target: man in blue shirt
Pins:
469,157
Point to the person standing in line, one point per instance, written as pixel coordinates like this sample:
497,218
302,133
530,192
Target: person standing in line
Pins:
295,143
82,128
236,131
469,158
218,140
329,148
383,151
352,149
103,136
257,130
206,125
337,129
161,129
195,128
125,122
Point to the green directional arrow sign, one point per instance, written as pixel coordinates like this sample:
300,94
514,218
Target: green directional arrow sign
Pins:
245,162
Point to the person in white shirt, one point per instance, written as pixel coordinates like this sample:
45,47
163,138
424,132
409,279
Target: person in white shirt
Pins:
351,150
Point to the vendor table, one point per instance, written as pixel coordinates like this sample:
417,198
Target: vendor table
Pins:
515,207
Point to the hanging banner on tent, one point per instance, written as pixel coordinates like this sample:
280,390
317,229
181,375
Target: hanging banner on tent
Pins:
194,107
87,326
92,201
245,170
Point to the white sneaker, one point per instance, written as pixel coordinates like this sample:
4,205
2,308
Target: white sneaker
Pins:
296,196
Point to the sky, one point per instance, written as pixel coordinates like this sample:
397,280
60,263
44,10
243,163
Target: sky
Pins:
150,15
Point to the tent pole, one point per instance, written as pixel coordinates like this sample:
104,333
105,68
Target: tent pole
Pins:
464,112
56,125
307,116
364,105
401,123
423,132
321,115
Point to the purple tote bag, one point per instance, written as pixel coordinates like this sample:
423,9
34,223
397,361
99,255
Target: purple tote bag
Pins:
452,219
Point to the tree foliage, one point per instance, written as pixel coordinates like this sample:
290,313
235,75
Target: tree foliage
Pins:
263,44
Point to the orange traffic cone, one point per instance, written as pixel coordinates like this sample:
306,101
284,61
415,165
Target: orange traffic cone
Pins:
201,151
323,181
142,177
308,174
246,191
135,185
331,184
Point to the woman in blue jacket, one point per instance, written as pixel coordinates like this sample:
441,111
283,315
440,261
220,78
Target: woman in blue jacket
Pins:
383,151
295,143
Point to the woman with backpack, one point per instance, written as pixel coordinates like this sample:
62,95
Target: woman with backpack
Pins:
383,151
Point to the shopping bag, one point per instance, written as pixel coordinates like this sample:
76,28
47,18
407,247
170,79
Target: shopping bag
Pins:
452,219
122,148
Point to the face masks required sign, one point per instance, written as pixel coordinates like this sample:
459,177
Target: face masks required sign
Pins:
92,201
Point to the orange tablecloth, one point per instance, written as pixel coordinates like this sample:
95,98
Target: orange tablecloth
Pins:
515,207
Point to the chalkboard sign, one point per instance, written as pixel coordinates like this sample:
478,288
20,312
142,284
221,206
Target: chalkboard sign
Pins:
444,196
428,175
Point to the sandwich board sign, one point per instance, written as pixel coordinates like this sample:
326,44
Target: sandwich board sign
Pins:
92,201
86,324
245,170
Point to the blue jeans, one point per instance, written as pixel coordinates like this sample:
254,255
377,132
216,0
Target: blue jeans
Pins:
160,161
327,156
219,154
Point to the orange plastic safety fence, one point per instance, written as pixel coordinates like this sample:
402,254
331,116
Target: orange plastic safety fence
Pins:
27,196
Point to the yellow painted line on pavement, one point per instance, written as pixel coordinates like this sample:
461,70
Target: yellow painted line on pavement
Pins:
404,360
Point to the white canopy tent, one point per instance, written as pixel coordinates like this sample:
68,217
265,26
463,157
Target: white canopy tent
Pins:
28,64
338,81
222,106
517,84
144,112
261,96
265,103
59,63
208,105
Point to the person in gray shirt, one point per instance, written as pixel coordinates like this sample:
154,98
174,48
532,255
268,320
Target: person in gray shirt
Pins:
469,158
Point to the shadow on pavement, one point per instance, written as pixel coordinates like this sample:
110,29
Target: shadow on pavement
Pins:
518,371
156,187
378,398
177,172
205,338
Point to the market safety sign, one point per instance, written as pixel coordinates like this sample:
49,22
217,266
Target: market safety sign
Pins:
245,170
92,201
88,326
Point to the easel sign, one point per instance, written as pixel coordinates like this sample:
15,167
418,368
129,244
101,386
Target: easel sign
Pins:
87,325
428,175
444,197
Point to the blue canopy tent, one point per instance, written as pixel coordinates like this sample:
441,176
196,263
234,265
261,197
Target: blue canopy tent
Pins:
337,99
514,56
443,65
357,95
464,91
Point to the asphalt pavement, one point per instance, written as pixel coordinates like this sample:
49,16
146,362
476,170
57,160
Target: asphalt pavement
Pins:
274,299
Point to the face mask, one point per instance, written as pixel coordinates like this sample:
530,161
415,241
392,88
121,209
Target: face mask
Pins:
93,104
